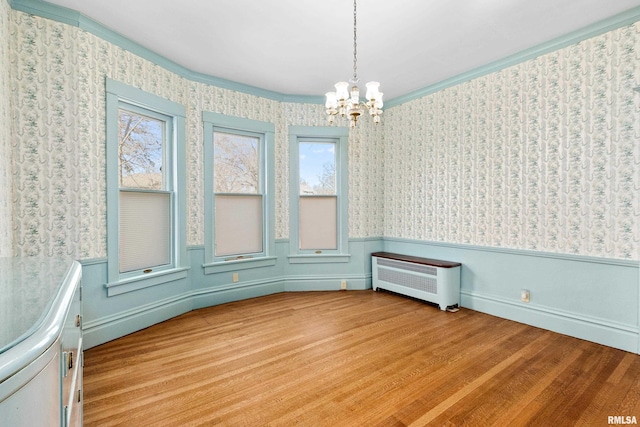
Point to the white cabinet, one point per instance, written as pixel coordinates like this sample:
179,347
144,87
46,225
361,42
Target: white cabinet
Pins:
40,342
71,366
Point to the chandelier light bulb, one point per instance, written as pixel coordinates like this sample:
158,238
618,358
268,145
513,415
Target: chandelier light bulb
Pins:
345,102
372,90
342,91
332,101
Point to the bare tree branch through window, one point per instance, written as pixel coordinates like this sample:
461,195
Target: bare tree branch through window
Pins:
140,141
236,163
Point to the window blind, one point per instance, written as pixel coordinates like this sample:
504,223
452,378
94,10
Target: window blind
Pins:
238,224
318,222
145,230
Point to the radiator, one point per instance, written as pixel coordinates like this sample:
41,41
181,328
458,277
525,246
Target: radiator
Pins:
430,283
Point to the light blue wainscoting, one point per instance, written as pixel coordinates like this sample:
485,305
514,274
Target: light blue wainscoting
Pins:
595,299
219,288
320,276
107,318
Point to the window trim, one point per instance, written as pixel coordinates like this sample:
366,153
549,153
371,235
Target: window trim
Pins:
119,95
340,136
230,124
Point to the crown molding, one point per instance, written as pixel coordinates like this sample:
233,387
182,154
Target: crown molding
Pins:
76,19
601,27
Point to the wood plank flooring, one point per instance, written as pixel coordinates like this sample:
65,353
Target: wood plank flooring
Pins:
354,358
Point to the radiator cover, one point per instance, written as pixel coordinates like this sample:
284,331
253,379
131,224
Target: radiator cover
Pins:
429,283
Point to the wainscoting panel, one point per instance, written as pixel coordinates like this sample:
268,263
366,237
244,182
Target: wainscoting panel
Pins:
595,299
589,298
107,318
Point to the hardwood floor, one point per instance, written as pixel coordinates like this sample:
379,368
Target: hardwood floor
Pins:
355,358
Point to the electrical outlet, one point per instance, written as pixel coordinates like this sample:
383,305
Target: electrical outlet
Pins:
235,277
343,285
524,295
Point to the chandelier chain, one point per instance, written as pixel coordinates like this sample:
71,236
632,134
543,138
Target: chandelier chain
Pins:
345,101
355,44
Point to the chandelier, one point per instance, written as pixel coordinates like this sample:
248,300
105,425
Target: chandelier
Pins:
345,102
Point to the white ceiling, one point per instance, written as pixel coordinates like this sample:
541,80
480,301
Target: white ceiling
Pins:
300,47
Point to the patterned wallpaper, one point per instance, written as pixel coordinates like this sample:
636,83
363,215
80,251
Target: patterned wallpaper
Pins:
6,247
366,178
543,155
364,155
539,156
204,97
99,59
46,154
58,73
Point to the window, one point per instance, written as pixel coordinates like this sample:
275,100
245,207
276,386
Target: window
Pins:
145,202
145,190
238,194
239,188
318,220
318,194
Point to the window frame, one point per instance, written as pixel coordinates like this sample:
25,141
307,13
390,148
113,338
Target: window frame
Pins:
121,96
339,136
265,131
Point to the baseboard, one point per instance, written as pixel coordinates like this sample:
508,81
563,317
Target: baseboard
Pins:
108,328
624,337
217,295
105,329
324,283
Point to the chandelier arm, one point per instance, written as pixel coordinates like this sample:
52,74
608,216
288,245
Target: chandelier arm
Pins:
345,103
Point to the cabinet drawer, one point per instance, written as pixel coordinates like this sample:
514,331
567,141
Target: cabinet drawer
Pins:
71,361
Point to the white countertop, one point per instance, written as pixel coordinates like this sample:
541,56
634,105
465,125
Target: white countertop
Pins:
28,287
35,294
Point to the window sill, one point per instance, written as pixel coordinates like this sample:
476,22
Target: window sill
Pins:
238,264
319,258
146,281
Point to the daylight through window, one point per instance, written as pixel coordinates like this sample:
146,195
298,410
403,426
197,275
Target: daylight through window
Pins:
318,197
145,197
238,201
